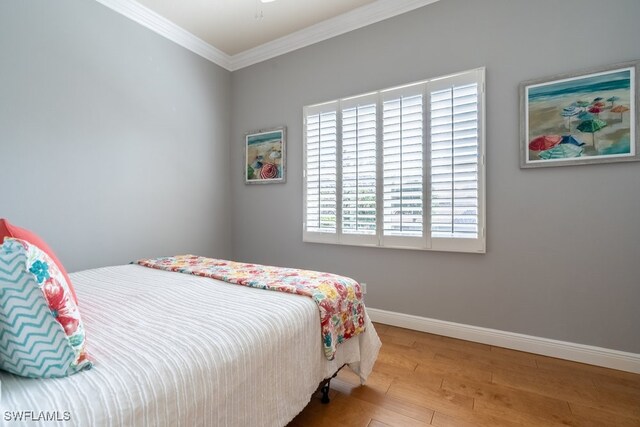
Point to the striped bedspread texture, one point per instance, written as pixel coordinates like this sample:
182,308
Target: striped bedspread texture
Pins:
183,350
339,298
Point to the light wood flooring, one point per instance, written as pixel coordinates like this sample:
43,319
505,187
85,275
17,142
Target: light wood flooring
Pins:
424,379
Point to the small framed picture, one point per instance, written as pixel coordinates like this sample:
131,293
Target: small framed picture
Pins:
580,118
265,156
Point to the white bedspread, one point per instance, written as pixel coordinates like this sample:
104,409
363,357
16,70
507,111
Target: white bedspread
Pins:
177,350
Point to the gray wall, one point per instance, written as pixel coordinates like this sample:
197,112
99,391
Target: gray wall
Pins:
115,145
562,258
114,140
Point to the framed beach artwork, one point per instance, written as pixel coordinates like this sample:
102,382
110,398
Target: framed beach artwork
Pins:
580,118
265,156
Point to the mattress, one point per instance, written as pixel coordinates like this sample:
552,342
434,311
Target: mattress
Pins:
172,349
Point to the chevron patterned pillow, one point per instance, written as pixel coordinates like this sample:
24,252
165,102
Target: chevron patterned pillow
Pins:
42,335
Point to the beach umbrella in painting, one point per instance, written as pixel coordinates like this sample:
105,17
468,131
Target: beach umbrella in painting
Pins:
582,103
569,112
256,165
613,99
620,109
592,126
585,116
269,171
599,104
598,99
275,155
570,139
562,151
595,110
544,142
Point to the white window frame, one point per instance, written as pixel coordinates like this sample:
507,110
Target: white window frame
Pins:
426,242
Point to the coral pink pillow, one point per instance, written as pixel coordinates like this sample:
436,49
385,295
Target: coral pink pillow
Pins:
10,230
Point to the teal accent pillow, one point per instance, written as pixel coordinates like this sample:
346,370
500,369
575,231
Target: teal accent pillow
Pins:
41,332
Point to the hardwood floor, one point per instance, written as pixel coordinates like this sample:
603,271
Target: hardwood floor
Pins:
422,379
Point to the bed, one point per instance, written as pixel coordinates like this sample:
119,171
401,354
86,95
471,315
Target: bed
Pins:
172,349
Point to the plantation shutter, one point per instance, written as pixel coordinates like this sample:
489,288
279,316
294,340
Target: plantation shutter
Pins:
455,160
399,168
359,140
403,165
321,171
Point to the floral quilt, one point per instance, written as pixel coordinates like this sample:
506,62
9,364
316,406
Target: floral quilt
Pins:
339,298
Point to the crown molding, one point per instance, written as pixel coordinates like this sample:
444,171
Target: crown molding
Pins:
357,18
148,18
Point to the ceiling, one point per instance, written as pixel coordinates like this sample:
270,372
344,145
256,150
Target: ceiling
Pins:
234,26
238,33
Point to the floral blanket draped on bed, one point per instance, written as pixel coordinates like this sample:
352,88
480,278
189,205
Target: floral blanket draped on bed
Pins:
339,298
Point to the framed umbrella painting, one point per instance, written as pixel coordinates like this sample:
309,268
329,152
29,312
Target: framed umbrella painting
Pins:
265,156
580,118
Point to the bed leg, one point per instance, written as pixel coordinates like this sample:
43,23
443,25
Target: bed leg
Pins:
325,392
324,388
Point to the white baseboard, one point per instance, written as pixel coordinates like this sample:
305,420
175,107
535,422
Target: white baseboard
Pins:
599,356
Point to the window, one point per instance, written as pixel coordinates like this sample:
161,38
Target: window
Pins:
399,168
